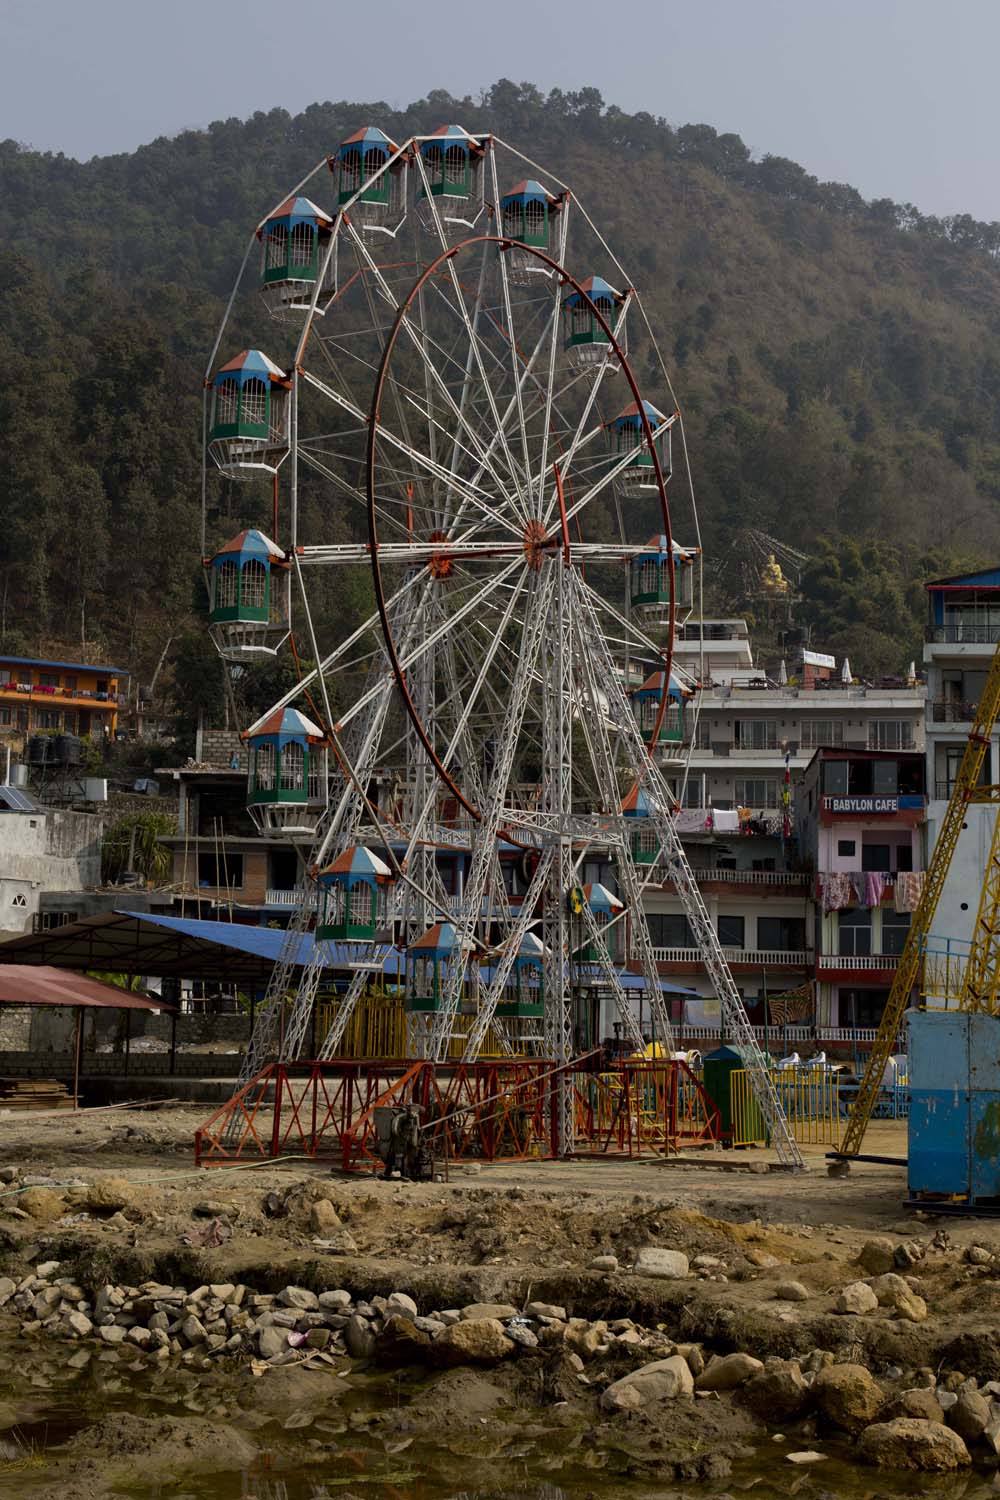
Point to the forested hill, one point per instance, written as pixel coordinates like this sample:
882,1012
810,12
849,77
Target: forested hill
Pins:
838,360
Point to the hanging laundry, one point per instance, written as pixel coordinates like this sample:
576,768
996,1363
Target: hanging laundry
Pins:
727,820
857,878
909,888
837,892
874,887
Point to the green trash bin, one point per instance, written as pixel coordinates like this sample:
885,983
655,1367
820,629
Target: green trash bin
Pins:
718,1067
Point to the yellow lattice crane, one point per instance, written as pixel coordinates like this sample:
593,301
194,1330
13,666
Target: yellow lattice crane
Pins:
980,985
982,971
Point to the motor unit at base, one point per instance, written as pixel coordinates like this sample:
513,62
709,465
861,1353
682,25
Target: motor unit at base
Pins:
954,1123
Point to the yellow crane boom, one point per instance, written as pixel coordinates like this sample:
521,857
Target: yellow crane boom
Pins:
964,792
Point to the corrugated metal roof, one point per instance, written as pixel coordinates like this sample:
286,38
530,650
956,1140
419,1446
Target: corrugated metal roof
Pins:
40,984
74,666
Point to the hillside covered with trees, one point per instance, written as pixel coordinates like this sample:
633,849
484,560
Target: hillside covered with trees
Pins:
837,360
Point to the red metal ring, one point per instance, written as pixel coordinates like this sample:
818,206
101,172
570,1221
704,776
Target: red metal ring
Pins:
373,418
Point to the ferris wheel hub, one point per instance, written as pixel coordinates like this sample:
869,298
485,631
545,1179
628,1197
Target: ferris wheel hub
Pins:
536,543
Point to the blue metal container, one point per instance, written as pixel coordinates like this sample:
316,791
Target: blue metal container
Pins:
954,1125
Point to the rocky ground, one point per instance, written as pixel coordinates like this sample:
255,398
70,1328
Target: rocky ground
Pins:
689,1323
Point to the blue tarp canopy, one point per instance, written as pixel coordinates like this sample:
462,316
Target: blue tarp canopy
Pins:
135,942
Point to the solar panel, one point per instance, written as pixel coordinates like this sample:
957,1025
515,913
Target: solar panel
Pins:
12,799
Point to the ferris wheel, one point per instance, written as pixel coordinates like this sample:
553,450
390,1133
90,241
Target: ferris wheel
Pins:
454,397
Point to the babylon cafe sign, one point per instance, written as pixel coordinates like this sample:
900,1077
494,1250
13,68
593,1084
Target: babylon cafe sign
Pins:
862,805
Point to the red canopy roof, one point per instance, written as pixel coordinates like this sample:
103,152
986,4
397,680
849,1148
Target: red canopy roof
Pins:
39,984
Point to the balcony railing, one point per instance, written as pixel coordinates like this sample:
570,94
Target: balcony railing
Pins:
777,1033
962,635
858,961
275,897
760,957
943,790
48,694
789,878
954,711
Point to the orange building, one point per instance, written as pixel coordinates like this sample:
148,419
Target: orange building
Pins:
66,697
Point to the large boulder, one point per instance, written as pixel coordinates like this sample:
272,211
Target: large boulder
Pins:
299,1298
359,1339
324,1219
42,1204
663,1380
970,1416
778,1392
919,1402
111,1195
889,1288
401,1343
727,1372
856,1298
474,1341
848,1396
910,1443
651,1260
911,1308
477,1310
876,1255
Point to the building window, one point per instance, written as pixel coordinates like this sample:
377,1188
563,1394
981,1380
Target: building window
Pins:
817,732
895,926
732,932
47,718
6,716
781,934
846,848
48,679
48,921
862,1007
854,932
756,791
876,857
835,778
890,734
220,871
20,901
885,778
670,930
700,736
755,734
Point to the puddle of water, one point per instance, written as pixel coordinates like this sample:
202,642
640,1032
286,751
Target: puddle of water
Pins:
330,1453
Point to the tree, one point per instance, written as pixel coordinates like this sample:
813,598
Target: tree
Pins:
134,843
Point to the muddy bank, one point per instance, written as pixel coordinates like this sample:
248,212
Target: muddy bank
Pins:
653,1336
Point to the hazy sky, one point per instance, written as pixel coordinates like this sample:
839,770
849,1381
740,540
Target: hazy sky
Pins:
897,97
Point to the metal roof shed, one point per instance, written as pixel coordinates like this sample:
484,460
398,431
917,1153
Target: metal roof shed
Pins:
40,984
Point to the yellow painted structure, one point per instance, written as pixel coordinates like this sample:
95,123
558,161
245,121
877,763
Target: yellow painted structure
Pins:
64,697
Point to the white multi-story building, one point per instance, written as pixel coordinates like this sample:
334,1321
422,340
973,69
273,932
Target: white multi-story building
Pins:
745,731
961,638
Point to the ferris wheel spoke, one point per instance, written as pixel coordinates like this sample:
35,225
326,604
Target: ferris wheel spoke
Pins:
473,495
337,655
410,658
413,334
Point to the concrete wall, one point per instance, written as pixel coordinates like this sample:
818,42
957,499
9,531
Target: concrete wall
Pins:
45,851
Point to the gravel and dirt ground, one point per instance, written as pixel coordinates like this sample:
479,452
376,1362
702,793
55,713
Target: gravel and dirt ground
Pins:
114,1200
